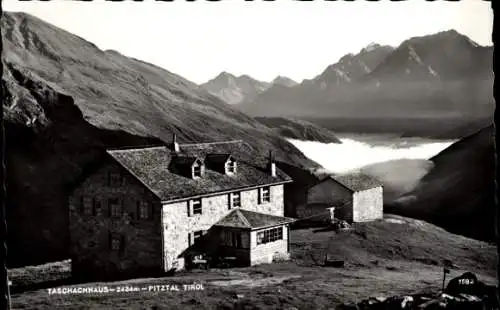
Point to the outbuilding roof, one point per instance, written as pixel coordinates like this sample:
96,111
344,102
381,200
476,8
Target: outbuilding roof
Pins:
357,181
241,218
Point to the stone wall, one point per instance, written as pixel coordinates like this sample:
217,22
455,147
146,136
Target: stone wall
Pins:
368,205
177,225
90,247
328,193
264,253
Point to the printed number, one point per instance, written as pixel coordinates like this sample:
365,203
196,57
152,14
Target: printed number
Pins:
466,281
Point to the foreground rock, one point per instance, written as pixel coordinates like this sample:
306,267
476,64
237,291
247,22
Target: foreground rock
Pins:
463,292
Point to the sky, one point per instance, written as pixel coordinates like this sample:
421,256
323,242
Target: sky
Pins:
198,40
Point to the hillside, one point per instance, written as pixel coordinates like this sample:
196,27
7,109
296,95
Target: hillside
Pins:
233,89
435,76
298,129
458,192
66,100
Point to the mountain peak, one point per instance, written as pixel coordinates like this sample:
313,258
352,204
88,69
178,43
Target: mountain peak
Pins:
371,47
284,81
225,74
234,89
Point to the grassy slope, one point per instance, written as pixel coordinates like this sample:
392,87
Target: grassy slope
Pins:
458,192
67,100
395,256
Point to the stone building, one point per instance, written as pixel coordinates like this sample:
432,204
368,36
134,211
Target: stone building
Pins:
154,209
351,197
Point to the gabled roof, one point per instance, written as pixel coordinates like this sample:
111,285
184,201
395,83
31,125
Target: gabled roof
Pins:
240,218
357,181
153,167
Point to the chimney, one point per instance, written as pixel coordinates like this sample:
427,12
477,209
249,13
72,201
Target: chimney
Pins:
272,164
175,145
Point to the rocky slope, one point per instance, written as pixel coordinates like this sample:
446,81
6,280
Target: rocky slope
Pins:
66,100
440,75
299,129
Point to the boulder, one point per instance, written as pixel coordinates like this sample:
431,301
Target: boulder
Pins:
467,284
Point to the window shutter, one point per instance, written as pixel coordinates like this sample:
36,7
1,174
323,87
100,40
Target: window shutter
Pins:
190,239
189,210
259,195
229,201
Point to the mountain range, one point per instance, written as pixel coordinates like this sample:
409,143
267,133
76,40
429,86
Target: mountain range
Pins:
440,75
242,89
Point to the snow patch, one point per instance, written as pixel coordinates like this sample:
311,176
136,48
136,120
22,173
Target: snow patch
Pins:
414,55
342,74
365,67
431,71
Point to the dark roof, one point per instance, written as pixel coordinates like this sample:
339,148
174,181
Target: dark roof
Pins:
217,158
357,182
184,160
152,166
240,218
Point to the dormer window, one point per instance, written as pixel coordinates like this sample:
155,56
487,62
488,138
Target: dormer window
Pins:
197,169
230,166
222,163
188,166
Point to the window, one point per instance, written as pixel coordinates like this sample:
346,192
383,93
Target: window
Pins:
197,169
115,179
197,234
231,239
115,208
234,200
195,207
142,210
88,206
116,242
231,166
270,235
264,194
192,237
